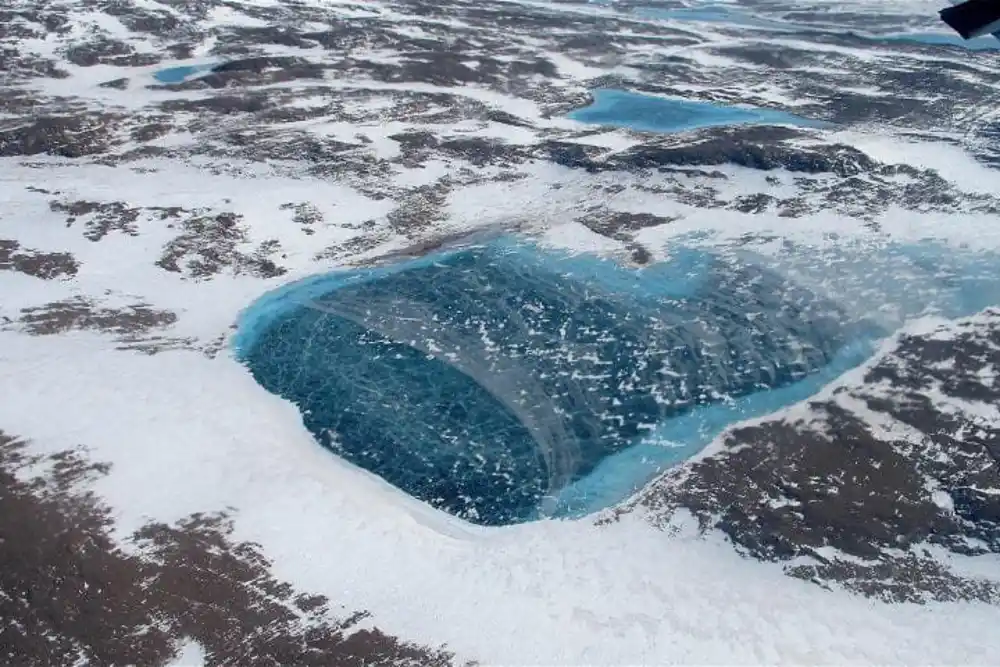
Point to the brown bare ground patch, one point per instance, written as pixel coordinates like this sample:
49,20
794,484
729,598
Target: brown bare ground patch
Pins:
79,313
420,208
70,136
306,215
620,225
132,325
44,265
208,244
101,217
70,595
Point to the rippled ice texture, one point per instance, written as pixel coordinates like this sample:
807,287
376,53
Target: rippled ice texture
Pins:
491,381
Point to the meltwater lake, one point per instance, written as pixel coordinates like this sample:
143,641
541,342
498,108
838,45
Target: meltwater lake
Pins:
651,113
503,382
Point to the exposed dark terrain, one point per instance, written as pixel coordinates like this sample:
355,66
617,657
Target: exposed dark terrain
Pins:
875,482
71,594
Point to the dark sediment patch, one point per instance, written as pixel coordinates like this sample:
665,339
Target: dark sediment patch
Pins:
83,314
482,151
108,52
68,592
755,203
237,36
865,498
209,243
750,152
416,147
66,136
504,118
27,66
620,224
570,154
138,19
134,327
420,208
305,215
774,57
116,84
159,126
44,265
180,50
439,68
300,146
101,217
847,107
347,250
220,104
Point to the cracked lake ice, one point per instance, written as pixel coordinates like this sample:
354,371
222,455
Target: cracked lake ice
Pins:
504,383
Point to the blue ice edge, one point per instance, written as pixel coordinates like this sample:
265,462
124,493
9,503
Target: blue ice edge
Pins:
621,475
973,282
681,274
652,113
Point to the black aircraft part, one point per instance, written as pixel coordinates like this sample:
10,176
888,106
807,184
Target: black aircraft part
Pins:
973,18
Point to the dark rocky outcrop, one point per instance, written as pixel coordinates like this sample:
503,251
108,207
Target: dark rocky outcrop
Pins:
65,136
44,265
83,314
878,474
68,592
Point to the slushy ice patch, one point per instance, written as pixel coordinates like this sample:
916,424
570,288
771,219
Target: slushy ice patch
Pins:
502,383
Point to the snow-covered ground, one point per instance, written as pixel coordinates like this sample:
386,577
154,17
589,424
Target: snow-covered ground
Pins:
134,233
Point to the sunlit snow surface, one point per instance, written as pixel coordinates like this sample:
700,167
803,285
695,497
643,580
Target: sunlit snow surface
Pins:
501,382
